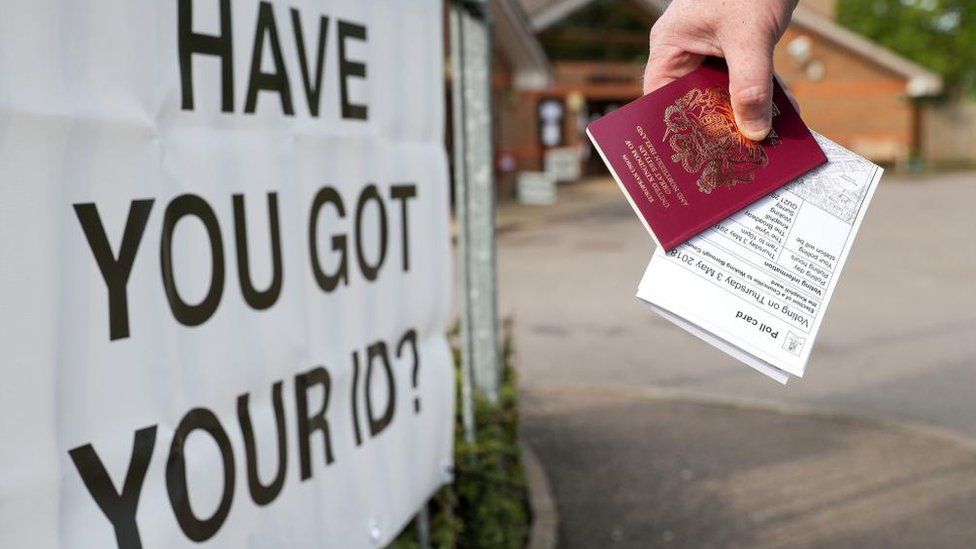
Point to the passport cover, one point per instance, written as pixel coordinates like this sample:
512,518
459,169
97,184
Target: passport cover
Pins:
682,163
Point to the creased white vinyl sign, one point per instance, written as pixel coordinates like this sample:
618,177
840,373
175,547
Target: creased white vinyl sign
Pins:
224,272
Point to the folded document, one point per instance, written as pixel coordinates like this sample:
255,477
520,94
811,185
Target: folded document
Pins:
757,284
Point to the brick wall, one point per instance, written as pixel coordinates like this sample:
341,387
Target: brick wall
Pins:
847,98
949,133
853,101
517,128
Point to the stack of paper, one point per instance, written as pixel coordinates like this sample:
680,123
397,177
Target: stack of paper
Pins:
757,284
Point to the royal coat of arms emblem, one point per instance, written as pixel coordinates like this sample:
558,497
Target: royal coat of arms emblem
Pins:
702,133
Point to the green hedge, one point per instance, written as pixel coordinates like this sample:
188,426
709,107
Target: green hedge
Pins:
486,505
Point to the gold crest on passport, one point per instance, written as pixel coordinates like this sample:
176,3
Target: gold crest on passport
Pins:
703,135
682,163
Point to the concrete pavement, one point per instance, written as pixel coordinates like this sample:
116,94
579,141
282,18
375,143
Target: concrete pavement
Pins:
631,468
898,346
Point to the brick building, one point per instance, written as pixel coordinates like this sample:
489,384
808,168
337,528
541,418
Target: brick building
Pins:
561,63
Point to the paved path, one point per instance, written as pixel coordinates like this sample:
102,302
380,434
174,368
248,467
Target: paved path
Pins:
633,469
898,345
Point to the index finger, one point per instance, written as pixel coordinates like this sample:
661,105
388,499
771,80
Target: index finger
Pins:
665,64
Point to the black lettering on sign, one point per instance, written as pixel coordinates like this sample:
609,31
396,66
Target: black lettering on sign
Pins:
327,281
277,79
182,206
119,507
370,271
307,424
349,69
313,86
115,270
411,338
195,528
311,59
260,493
354,398
377,424
191,43
259,300
403,193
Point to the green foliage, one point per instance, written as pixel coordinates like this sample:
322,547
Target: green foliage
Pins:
937,34
486,505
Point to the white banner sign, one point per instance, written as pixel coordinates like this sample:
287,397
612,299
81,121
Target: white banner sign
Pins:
224,272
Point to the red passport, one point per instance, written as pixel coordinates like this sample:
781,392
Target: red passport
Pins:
682,163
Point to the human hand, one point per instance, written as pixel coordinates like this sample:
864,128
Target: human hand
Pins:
744,32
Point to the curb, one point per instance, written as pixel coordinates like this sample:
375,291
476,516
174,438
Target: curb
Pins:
543,532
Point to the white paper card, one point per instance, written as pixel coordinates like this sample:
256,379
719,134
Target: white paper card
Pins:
757,284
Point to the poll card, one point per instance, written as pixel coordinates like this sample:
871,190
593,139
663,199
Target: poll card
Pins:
757,284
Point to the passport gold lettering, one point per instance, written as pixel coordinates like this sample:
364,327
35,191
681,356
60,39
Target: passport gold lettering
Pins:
633,171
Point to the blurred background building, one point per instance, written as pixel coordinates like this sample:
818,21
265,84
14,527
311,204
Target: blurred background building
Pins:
561,63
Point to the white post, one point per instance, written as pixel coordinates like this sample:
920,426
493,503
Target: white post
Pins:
474,198
475,195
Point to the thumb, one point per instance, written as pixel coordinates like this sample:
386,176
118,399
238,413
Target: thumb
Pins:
751,88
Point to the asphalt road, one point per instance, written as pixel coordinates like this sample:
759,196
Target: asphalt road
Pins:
898,346
632,469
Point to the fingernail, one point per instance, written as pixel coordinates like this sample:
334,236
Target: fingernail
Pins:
754,130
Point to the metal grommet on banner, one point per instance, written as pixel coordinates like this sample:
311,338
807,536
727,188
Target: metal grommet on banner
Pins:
375,534
447,471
